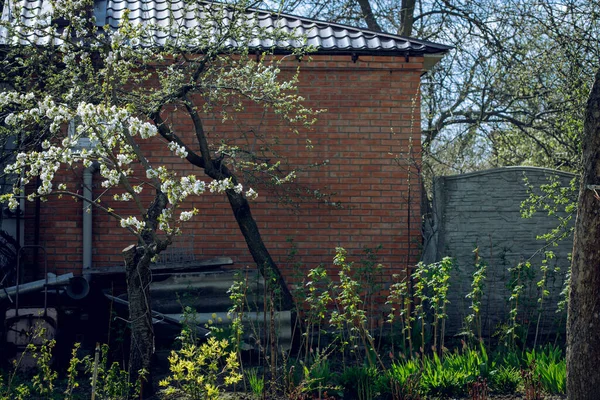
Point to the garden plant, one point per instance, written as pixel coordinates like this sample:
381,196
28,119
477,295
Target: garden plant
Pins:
337,356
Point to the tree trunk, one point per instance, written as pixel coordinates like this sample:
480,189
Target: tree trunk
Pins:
583,323
258,250
138,276
239,205
367,11
407,17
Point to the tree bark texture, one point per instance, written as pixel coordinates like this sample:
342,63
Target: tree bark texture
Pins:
138,276
240,207
407,17
367,11
265,263
583,323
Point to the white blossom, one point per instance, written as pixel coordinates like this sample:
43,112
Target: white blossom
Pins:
124,159
179,150
113,177
10,119
123,197
13,203
151,173
132,222
144,129
164,218
251,194
217,186
199,187
110,128
186,215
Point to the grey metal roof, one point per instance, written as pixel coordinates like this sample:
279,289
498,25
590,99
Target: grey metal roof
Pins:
162,16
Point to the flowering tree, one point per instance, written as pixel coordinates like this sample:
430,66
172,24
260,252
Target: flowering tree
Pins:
112,84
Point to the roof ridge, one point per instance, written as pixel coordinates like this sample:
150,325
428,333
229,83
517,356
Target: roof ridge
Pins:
349,27
326,37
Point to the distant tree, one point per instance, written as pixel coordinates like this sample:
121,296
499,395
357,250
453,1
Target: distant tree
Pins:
112,85
517,90
513,90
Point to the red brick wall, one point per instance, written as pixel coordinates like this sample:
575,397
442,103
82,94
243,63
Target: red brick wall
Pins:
372,117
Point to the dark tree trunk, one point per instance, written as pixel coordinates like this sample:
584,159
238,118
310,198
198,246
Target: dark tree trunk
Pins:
367,11
138,276
258,250
583,323
407,17
239,205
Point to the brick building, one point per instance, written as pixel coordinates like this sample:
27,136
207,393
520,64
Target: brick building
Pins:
368,140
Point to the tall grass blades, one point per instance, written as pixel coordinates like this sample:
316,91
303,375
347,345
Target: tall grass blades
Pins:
550,368
439,379
403,380
505,380
453,375
256,382
360,382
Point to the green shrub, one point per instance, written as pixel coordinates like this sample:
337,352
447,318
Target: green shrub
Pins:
197,370
306,381
14,389
473,362
319,376
402,380
444,378
505,379
554,377
360,382
550,368
257,383
453,375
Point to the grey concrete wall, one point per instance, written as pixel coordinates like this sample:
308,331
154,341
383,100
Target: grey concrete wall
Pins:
482,210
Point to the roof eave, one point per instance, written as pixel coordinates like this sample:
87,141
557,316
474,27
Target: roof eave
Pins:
371,52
